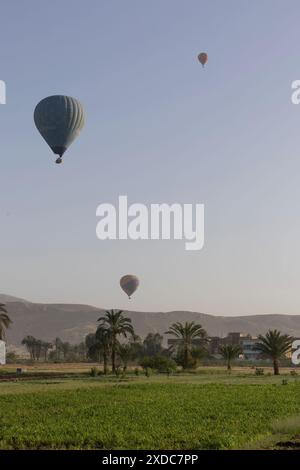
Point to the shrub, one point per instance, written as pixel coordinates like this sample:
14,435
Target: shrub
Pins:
11,357
159,363
259,371
94,372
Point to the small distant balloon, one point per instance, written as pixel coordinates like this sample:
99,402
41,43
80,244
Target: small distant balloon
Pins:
203,58
59,119
129,284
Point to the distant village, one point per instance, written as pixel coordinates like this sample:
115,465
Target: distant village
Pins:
246,342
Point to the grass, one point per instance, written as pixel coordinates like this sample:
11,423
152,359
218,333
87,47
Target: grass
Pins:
285,435
194,411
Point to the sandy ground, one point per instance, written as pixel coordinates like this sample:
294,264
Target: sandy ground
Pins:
51,367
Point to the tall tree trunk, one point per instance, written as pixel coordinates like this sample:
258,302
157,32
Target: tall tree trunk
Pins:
186,358
276,366
113,355
228,365
113,359
105,362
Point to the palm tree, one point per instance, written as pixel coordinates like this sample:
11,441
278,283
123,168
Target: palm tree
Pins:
118,325
230,352
30,343
186,334
38,348
66,347
102,344
58,347
45,348
5,321
274,345
93,347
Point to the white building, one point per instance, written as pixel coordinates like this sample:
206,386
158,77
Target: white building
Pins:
2,353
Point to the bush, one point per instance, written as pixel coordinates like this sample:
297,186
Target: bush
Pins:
293,372
11,357
94,372
159,363
192,359
259,371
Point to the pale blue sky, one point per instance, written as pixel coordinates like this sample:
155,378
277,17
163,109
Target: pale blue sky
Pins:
159,128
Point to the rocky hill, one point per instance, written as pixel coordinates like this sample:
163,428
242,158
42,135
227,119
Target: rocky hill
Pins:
72,322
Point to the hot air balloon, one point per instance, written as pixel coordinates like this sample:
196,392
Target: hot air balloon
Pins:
203,58
59,119
129,284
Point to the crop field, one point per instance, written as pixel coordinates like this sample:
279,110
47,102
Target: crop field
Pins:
210,410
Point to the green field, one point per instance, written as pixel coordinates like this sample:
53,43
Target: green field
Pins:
211,410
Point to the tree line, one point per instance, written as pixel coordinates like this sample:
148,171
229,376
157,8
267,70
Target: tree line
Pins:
190,345
115,343
56,351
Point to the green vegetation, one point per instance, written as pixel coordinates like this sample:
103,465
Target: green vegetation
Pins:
184,411
115,324
186,335
158,363
36,348
285,435
139,395
102,345
230,352
56,352
274,345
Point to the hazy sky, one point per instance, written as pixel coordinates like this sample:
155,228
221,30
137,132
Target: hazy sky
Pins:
159,128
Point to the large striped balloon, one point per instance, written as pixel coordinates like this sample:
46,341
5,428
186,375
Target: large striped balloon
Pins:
129,284
59,119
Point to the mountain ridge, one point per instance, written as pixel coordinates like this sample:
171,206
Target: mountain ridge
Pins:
72,322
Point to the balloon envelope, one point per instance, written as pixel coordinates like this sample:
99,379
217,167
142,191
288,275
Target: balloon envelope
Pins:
59,119
129,284
203,58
